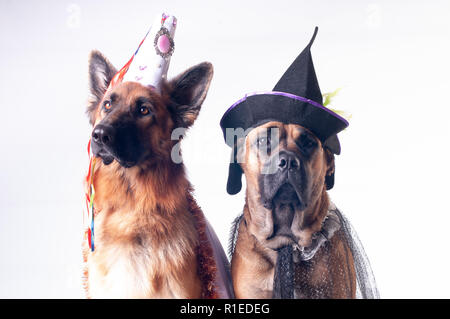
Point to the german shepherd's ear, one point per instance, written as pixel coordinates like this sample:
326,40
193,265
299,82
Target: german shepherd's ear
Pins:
101,72
188,91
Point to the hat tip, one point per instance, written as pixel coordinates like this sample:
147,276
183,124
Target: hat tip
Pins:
316,29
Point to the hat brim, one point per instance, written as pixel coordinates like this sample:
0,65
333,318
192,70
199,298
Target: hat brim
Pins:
258,108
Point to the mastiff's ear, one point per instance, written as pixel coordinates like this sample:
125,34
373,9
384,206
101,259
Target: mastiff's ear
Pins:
329,177
332,143
234,182
187,93
101,72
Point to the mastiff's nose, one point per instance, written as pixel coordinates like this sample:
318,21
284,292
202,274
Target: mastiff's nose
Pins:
288,161
103,134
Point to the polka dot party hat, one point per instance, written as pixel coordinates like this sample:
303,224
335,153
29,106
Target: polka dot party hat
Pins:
150,62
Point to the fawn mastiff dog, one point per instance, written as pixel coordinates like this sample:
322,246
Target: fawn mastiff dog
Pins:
290,241
290,208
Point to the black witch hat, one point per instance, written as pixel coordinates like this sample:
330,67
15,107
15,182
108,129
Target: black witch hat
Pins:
295,99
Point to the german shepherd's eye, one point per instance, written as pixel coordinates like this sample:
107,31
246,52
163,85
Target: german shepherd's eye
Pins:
143,106
107,105
143,110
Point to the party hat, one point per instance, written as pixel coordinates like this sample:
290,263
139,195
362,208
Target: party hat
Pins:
150,62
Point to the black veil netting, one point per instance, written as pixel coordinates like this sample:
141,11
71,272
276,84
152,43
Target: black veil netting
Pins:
366,287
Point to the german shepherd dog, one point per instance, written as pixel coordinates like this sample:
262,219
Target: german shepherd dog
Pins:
151,238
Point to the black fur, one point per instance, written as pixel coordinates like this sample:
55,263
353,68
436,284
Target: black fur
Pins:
296,176
188,91
101,72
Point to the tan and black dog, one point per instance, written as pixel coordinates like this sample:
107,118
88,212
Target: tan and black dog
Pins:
290,241
288,207
151,238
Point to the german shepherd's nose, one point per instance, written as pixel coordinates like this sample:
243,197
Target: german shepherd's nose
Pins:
103,134
288,161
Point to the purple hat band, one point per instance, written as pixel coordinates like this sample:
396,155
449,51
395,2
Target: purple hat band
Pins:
291,96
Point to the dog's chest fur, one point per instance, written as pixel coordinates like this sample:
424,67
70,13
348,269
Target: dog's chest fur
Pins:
143,255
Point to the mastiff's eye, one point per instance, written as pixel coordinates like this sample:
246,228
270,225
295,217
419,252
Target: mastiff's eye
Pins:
144,110
107,105
268,140
306,142
262,141
264,144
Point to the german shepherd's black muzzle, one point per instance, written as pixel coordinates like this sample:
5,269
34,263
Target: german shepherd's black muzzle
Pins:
116,141
285,181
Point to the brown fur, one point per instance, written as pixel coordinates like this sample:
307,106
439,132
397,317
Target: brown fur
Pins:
254,258
150,237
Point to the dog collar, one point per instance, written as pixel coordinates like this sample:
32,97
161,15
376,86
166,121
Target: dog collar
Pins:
366,287
330,225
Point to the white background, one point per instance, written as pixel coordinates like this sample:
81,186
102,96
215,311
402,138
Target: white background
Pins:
392,180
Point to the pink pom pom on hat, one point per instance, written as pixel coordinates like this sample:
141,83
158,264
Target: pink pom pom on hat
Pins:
150,62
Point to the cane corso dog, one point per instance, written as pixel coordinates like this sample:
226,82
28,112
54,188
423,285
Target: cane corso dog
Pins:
287,205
